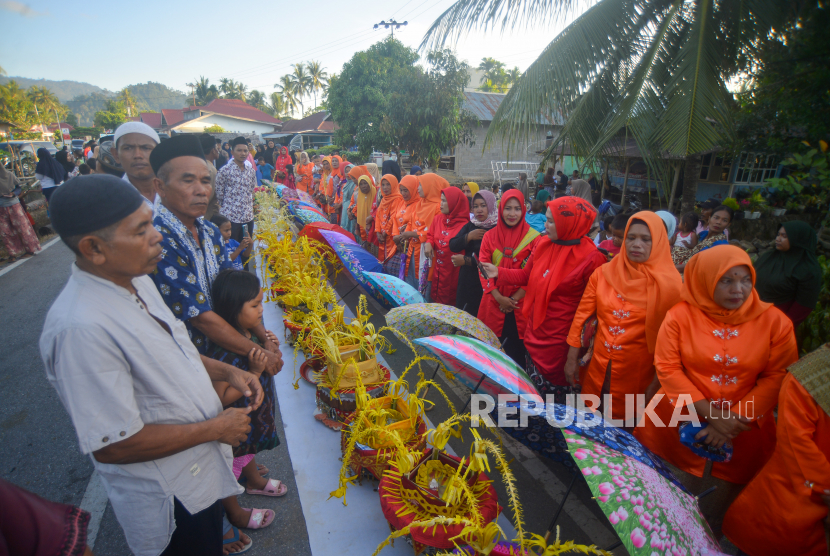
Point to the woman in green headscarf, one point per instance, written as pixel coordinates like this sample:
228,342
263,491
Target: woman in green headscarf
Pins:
789,276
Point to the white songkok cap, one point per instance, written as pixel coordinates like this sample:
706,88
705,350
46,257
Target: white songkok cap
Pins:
135,127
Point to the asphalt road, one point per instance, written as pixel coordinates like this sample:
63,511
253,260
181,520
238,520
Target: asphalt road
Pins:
41,451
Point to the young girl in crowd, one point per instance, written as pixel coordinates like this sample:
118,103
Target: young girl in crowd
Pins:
686,235
715,235
237,252
290,180
617,234
237,298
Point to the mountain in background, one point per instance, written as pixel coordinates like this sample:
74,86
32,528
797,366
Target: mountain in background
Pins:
149,97
64,90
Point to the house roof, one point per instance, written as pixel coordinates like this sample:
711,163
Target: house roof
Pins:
172,116
315,122
53,127
235,108
484,106
152,119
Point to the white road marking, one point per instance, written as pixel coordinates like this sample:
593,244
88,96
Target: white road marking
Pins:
21,261
94,502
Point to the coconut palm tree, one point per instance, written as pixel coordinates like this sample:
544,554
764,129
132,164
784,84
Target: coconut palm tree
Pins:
277,104
226,86
319,78
655,69
302,83
130,102
204,91
256,99
288,93
240,91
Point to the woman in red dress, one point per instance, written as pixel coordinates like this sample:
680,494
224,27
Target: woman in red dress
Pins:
508,246
555,277
455,212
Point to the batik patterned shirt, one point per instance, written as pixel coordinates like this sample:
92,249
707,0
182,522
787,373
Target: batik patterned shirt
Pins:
235,192
186,272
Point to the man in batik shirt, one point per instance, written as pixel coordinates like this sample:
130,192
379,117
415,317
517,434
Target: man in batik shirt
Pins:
193,252
235,185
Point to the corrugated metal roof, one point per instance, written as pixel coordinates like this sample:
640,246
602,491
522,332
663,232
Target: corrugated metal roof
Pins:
484,106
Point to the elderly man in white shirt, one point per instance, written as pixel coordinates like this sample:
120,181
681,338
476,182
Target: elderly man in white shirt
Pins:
139,394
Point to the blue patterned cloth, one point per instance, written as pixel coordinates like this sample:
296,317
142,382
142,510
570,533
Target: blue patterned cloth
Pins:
186,271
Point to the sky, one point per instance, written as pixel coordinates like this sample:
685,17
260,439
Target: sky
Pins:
113,44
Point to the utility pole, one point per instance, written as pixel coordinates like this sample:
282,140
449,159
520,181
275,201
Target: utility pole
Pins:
391,25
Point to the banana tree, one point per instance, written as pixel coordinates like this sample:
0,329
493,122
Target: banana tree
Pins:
654,70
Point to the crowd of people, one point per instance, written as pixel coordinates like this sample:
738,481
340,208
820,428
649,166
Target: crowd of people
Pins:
157,350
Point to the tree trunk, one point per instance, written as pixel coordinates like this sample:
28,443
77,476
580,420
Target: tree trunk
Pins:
691,173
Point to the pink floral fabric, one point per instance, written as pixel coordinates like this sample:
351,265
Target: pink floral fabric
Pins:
16,232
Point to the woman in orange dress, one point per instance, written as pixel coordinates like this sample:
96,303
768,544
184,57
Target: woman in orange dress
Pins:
429,188
334,178
406,226
629,296
455,212
387,222
783,510
304,172
725,352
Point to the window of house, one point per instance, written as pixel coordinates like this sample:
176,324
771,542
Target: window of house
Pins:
755,168
705,167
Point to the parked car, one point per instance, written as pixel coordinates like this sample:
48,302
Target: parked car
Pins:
26,152
78,144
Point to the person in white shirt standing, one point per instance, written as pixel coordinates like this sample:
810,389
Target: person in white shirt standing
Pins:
139,394
134,141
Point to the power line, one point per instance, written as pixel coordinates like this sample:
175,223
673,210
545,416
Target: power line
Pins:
391,24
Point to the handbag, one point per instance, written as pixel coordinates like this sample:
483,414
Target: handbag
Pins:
586,340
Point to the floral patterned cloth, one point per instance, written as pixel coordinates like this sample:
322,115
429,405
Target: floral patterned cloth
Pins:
235,192
187,270
16,232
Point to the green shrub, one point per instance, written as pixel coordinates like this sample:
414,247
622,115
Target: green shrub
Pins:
731,203
815,330
324,151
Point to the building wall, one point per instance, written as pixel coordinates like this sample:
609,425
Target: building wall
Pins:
231,125
471,162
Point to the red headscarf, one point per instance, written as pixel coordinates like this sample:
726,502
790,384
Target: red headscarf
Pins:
283,160
459,208
506,237
654,285
432,185
555,260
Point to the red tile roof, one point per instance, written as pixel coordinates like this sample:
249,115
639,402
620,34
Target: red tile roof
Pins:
53,127
235,108
152,119
172,116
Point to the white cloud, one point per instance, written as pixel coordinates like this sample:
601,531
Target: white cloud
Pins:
20,8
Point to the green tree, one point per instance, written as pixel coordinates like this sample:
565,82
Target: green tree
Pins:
285,88
15,107
319,79
277,104
113,116
226,86
427,118
71,119
130,103
656,69
204,91
359,97
257,99
301,81
787,98
215,128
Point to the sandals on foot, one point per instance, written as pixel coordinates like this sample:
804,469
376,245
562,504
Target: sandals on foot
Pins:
274,487
235,538
260,518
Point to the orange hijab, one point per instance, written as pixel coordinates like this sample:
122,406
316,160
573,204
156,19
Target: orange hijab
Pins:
358,171
410,182
653,285
339,170
705,269
432,185
392,203
554,261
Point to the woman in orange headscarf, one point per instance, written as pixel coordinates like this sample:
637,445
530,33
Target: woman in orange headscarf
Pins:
724,352
784,509
407,216
429,188
630,297
455,212
304,172
387,222
333,179
555,277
